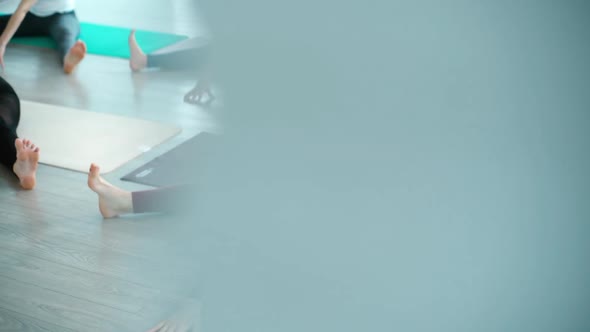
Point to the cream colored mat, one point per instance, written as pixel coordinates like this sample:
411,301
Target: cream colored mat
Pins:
72,138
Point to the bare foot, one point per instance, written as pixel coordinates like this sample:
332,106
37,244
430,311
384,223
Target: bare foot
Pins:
112,201
138,59
74,56
27,159
198,92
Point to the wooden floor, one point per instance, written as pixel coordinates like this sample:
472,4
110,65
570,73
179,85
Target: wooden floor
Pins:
62,267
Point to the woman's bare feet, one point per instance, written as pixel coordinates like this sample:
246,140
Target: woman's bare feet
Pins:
27,159
195,96
74,56
112,201
138,59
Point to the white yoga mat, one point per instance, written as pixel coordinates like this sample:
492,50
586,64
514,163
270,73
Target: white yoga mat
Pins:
71,138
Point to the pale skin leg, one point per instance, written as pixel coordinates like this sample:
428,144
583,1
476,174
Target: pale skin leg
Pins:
138,59
112,201
27,160
74,56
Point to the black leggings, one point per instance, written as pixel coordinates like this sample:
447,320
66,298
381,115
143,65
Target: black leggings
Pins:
63,28
190,58
167,199
9,118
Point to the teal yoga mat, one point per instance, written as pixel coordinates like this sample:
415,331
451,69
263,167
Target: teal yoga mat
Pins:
109,40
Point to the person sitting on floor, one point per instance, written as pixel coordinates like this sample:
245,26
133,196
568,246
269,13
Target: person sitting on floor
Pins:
52,18
19,155
114,201
192,56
